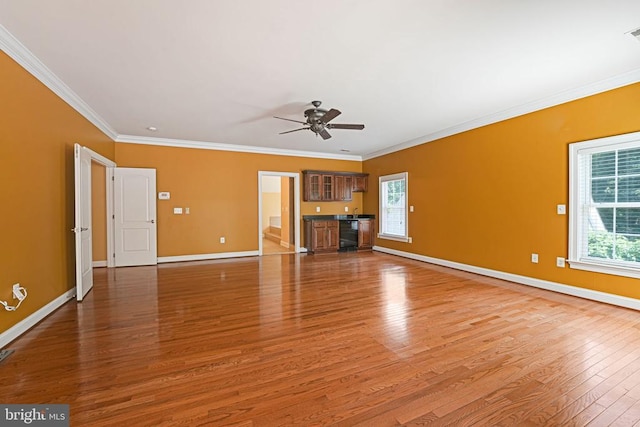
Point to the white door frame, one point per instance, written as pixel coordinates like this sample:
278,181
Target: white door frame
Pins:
109,165
296,203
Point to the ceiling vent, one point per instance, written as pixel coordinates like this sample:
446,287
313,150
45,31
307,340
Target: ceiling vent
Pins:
635,33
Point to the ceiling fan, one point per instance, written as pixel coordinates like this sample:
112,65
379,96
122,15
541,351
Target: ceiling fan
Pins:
318,121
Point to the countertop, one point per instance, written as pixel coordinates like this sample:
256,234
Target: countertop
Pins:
337,217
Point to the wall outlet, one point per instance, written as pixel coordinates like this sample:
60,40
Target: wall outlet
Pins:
317,208
534,258
561,209
346,208
560,262
18,292
222,240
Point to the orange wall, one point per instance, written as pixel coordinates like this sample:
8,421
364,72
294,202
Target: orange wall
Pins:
221,190
285,210
37,132
98,212
488,197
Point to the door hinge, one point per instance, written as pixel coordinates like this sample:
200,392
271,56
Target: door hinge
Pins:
113,178
113,217
114,255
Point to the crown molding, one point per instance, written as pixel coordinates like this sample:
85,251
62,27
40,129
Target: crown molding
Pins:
19,53
23,56
611,83
181,143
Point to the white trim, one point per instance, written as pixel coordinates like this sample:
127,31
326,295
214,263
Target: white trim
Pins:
111,221
182,143
30,321
392,237
23,56
616,270
577,258
99,264
594,88
203,257
394,177
604,297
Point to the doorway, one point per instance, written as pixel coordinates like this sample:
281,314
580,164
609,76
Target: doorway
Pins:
279,213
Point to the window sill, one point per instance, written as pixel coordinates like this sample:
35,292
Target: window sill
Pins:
615,270
395,238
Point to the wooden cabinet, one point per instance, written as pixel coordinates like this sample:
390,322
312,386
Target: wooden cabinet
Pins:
318,187
322,236
360,182
325,186
344,187
366,233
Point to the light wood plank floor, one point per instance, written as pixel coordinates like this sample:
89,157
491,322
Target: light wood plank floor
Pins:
355,339
271,248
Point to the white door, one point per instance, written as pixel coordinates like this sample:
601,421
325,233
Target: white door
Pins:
135,217
82,229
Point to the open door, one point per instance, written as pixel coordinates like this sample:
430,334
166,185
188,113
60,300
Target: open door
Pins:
82,158
82,229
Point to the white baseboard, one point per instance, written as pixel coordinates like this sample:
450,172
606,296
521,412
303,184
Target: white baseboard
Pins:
29,322
203,257
618,300
99,264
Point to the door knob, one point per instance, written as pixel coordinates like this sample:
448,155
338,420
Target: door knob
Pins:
83,229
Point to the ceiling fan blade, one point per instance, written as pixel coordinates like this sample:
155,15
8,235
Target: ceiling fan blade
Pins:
295,130
344,126
330,115
324,134
289,120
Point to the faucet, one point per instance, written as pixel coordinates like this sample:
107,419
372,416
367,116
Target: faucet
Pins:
355,214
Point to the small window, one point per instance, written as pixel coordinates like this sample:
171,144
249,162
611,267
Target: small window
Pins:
604,215
393,207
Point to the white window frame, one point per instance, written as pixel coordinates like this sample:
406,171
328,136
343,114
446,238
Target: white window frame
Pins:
578,256
381,180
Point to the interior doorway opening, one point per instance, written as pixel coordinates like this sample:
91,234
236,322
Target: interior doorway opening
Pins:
279,213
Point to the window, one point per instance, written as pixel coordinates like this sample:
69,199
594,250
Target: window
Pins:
604,221
393,207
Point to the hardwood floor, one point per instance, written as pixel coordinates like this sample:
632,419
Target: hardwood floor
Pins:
271,248
355,339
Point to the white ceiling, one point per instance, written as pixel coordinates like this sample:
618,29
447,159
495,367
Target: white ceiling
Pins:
215,72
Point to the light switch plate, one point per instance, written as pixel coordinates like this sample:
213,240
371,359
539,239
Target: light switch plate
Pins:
561,209
177,211
164,195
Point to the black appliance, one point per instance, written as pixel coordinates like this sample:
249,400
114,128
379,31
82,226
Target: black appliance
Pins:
348,235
